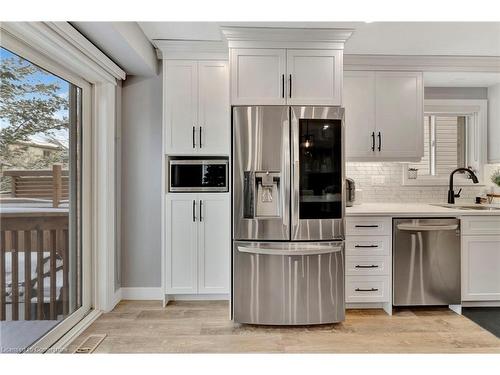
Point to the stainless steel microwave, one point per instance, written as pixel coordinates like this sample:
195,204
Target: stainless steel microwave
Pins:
198,175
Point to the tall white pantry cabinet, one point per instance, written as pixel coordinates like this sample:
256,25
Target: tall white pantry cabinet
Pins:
196,123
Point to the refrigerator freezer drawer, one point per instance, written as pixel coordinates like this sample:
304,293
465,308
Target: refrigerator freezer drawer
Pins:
288,283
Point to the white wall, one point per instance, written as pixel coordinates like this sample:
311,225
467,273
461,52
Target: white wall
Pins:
141,181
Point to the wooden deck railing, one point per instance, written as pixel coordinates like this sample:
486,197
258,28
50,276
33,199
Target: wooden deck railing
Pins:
20,239
44,184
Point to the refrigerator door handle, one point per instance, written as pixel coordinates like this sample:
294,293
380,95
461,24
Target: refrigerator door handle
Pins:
306,250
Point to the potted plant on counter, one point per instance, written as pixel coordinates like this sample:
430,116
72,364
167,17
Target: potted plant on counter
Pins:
495,178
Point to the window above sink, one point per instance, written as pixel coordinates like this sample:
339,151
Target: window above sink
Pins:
454,137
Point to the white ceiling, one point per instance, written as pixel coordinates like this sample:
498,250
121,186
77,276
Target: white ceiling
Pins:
388,38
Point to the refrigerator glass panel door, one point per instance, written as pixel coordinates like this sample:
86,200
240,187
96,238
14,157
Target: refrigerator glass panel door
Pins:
318,173
261,173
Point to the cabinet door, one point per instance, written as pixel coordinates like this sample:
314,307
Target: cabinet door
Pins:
257,76
314,77
181,112
480,268
214,244
181,240
213,110
359,104
399,116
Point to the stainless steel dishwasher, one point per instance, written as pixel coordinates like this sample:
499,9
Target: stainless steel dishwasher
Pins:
426,262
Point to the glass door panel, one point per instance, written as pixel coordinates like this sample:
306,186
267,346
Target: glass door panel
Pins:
320,169
40,201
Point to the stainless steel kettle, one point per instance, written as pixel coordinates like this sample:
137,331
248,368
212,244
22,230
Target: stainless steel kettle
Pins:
350,189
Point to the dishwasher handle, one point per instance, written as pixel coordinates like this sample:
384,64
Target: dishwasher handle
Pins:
425,228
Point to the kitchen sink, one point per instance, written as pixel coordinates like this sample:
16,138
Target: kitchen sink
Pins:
468,207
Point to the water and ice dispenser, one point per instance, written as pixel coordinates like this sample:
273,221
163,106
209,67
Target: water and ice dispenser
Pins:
262,194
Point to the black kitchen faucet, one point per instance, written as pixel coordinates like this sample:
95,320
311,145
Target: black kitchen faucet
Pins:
451,193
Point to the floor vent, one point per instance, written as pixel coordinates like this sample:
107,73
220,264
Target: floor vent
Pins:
89,344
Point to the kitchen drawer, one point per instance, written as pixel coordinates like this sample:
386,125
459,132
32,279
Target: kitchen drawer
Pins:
368,226
366,289
477,225
367,265
368,245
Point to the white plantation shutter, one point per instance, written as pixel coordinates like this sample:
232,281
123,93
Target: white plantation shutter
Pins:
446,144
443,137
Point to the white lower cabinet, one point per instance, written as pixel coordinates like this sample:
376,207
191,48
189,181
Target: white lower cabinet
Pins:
213,244
480,259
481,268
368,249
197,243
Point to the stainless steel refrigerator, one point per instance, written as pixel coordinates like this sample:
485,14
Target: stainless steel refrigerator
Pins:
288,208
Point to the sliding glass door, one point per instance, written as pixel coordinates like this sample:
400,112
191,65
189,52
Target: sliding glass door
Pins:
44,267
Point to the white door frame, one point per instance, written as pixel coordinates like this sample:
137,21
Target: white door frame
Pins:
40,44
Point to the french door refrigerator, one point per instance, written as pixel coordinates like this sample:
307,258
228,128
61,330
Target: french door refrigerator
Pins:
288,215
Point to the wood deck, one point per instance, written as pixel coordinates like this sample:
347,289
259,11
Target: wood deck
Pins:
204,327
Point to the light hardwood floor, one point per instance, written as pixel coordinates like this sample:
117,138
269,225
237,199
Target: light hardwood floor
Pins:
204,327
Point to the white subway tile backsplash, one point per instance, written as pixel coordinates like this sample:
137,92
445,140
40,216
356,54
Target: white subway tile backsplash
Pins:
392,189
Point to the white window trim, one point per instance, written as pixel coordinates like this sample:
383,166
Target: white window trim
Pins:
39,43
479,108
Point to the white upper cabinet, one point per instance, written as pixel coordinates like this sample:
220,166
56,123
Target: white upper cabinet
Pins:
314,77
359,103
181,116
258,76
383,115
399,115
213,109
196,113
286,76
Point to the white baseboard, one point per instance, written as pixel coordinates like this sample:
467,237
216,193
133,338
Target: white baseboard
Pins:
481,304
142,293
198,297
74,332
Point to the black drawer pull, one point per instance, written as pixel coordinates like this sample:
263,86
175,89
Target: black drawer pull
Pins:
366,290
366,226
365,246
370,266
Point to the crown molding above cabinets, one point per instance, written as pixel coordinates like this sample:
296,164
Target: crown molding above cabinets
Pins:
422,63
281,37
191,49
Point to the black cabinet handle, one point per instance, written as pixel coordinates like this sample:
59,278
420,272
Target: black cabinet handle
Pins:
379,141
366,226
290,93
201,210
370,266
200,137
366,290
365,246
194,210
283,86
194,133
373,141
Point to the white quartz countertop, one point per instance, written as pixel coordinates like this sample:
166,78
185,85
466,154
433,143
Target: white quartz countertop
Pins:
414,209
